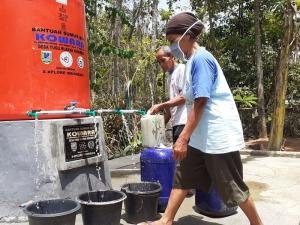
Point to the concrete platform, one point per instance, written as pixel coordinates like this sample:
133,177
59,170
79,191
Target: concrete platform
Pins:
43,159
274,183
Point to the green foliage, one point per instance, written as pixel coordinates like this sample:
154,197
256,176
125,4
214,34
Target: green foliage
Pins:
90,8
107,49
231,39
166,14
115,136
135,145
245,101
244,97
100,45
293,90
113,11
136,60
99,41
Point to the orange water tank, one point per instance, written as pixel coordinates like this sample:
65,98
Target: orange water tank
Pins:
43,56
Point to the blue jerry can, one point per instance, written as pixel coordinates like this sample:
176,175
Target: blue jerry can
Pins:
158,165
210,204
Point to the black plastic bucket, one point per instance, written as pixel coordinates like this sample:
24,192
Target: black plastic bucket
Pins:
210,204
142,201
101,207
52,212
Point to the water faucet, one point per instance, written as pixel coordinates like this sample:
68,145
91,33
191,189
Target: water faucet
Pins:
72,106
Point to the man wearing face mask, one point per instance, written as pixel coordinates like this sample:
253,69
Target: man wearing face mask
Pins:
208,147
175,108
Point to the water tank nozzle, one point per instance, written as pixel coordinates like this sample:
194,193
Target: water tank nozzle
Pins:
72,106
33,113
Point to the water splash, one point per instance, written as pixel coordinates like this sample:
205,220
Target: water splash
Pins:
36,155
128,133
129,138
98,149
37,180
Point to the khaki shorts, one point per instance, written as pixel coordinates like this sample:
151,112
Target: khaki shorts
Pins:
225,171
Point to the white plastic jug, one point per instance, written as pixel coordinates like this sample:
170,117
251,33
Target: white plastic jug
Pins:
153,130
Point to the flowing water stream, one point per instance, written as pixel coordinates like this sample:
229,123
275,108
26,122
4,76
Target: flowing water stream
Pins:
99,150
37,181
129,138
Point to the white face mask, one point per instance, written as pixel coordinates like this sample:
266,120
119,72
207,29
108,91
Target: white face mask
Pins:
175,47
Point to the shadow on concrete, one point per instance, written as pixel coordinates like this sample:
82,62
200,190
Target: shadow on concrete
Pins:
193,220
256,155
231,212
248,158
83,175
123,217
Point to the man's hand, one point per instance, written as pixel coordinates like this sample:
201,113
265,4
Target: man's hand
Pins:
178,100
155,109
180,148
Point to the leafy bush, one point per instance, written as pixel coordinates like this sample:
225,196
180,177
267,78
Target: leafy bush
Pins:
244,97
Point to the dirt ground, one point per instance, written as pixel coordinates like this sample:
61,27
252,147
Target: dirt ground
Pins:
290,144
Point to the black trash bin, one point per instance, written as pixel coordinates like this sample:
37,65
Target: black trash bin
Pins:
101,207
142,201
52,212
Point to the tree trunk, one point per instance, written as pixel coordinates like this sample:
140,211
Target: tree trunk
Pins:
155,15
289,28
212,43
92,75
116,42
241,18
135,18
259,72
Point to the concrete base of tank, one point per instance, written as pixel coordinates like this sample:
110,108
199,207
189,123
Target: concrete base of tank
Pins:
33,165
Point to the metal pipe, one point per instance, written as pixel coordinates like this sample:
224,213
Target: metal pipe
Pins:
88,112
65,112
99,111
120,111
37,113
